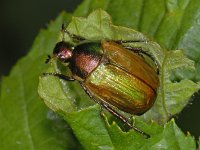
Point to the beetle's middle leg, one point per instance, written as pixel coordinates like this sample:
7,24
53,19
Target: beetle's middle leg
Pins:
59,75
92,97
140,52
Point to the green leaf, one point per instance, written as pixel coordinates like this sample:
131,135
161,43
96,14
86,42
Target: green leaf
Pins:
25,121
172,96
27,124
169,137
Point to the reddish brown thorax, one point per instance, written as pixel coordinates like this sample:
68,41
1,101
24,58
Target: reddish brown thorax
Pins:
82,65
85,59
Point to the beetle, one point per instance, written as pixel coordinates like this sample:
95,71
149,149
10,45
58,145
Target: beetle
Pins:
113,75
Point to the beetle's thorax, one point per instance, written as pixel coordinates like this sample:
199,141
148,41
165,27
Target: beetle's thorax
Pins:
84,61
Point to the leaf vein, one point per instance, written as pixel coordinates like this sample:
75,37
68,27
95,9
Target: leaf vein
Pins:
24,108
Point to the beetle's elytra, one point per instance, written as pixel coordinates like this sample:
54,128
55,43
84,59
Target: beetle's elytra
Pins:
111,74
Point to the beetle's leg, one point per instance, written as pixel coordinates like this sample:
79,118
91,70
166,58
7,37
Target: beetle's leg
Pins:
91,97
60,76
113,112
89,94
75,38
123,119
139,51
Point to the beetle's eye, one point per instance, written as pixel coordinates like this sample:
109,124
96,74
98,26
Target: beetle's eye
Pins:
63,51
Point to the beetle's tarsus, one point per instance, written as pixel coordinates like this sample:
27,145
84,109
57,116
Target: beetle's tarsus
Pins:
60,76
125,120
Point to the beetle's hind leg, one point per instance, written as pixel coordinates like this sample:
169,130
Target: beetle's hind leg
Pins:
59,75
113,112
123,119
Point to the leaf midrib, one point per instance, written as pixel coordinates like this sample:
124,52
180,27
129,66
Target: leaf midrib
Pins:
163,87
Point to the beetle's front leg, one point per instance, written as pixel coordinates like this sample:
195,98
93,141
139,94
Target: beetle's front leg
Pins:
60,76
74,37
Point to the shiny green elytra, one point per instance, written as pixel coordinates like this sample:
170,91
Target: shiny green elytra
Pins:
111,74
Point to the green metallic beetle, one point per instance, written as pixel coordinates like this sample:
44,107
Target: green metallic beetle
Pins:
111,74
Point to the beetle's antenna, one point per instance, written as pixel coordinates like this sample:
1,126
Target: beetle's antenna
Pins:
48,59
63,31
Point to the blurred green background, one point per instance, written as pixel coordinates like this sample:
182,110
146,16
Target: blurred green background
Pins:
21,21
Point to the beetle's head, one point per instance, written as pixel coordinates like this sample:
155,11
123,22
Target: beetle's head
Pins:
62,51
